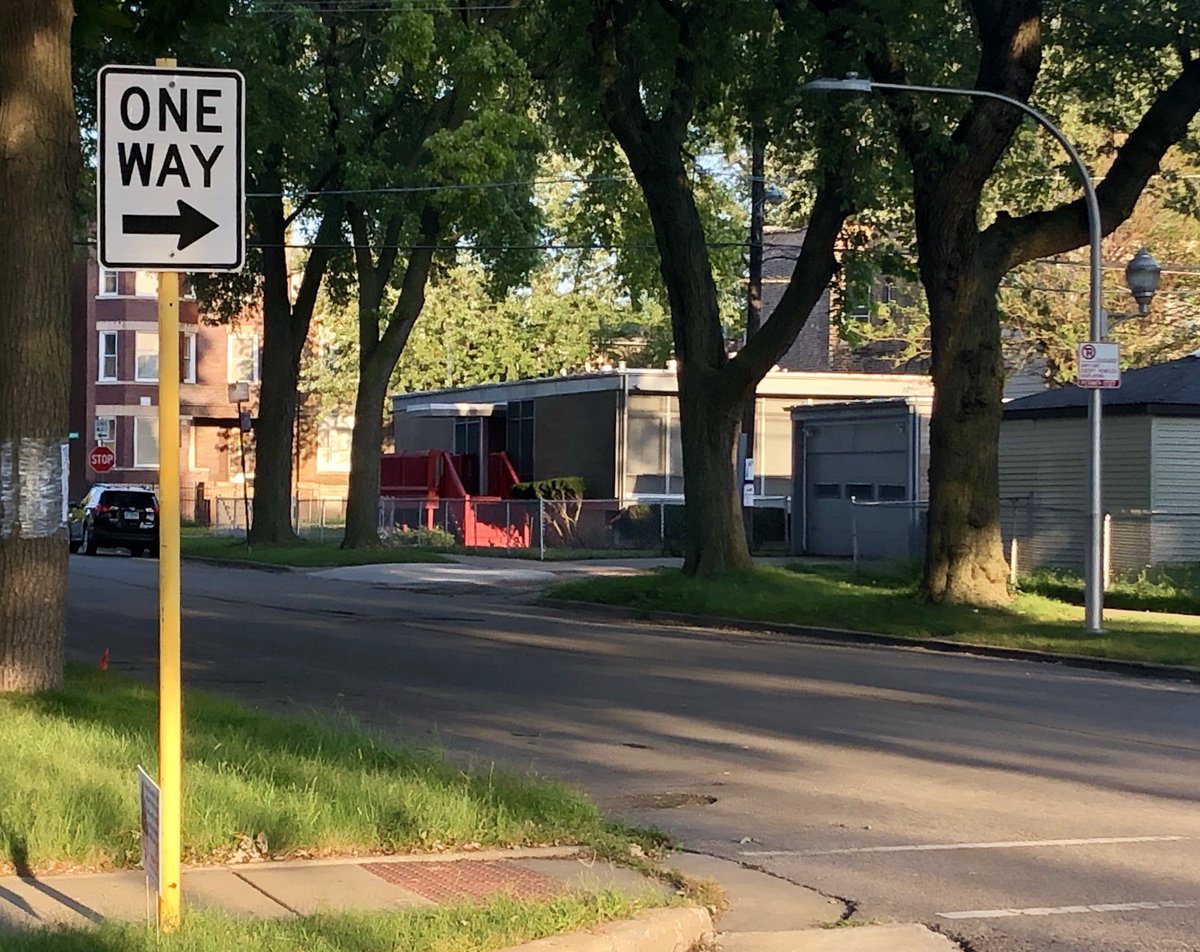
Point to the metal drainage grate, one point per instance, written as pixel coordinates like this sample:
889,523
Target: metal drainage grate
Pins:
467,879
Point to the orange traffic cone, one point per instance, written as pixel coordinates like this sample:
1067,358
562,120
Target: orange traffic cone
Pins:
104,660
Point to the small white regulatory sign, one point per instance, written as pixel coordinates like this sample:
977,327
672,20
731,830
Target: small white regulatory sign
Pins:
170,182
1098,365
151,831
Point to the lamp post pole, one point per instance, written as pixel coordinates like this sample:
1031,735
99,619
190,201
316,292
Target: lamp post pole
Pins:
1093,584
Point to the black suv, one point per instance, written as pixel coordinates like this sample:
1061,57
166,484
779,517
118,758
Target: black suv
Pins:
115,516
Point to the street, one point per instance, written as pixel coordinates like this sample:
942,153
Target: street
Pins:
1013,806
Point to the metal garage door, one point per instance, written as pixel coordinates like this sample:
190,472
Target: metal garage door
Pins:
862,459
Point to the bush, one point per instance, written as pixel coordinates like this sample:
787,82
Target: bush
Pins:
435,538
559,487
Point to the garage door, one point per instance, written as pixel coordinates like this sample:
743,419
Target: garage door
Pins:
863,460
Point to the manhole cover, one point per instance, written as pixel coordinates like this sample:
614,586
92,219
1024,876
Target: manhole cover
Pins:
665,801
467,879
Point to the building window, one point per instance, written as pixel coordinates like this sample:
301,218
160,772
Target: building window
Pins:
234,457
146,366
110,283
188,357
108,356
106,432
889,492
863,492
243,358
827,490
145,442
334,434
520,437
145,283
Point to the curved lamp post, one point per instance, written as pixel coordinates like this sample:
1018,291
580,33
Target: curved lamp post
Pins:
1139,270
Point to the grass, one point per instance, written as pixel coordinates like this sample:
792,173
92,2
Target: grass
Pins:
1165,588
497,924
68,795
884,600
303,554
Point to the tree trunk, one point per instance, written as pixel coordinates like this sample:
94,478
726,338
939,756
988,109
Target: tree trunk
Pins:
362,528
39,158
709,428
280,379
964,555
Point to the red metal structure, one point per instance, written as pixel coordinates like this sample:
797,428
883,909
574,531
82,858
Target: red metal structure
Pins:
435,480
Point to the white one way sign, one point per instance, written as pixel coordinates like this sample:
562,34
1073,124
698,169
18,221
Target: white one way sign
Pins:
171,173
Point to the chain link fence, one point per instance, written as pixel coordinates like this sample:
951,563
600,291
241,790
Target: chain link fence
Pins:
543,526
1044,536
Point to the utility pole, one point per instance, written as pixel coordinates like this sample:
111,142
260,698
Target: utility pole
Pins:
758,200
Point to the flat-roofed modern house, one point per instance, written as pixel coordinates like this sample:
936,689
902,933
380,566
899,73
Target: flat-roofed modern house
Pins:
618,430
1150,471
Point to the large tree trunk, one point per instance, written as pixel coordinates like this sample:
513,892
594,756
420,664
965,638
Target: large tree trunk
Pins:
362,501
39,158
964,555
709,428
280,379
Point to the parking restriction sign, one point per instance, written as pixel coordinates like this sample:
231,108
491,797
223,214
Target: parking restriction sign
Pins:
1098,365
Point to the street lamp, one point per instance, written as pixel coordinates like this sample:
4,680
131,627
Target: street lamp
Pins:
1094,584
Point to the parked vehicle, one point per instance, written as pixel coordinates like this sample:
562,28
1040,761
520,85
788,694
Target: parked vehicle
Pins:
115,517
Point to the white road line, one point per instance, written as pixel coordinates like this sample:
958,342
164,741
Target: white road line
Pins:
939,847
1070,910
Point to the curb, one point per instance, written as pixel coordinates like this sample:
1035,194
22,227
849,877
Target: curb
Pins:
238,563
840,637
661,930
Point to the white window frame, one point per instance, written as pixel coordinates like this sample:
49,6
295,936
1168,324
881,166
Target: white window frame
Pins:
139,336
325,427
138,423
101,376
145,284
105,274
232,378
188,355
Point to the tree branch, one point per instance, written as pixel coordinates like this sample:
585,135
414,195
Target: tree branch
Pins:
814,269
1014,241
411,299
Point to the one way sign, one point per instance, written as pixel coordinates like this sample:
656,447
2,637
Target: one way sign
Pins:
171,173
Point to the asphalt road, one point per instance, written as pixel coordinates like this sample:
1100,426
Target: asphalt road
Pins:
1013,806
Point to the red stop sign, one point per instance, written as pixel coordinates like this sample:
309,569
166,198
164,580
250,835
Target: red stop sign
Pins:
102,459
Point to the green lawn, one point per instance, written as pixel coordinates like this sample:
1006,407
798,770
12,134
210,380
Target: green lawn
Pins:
475,928
304,554
884,601
68,791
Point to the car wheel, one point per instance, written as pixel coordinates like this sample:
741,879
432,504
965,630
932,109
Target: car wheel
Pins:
89,541
136,551
73,546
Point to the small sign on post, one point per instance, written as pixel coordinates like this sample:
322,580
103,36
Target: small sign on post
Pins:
148,796
1098,365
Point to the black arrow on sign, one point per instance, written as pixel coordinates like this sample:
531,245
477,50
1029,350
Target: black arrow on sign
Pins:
190,225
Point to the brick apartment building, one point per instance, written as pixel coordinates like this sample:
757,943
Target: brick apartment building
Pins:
114,394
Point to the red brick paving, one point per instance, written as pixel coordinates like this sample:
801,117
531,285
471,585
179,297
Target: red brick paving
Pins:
462,880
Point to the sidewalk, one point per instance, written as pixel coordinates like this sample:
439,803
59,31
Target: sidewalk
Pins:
765,914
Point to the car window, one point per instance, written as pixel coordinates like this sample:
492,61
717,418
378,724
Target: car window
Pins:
127,499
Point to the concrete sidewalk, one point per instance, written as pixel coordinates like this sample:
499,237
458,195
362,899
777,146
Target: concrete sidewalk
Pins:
765,913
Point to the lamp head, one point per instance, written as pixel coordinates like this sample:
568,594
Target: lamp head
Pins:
851,84
1142,275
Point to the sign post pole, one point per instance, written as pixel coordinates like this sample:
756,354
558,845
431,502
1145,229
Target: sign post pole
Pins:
170,188
170,702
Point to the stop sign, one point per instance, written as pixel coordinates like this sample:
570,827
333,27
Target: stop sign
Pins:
102,459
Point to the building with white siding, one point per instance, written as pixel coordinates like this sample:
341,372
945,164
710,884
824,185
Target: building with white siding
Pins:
1151,470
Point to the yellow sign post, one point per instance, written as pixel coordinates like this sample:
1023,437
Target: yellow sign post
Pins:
185,213
170,689
170,701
